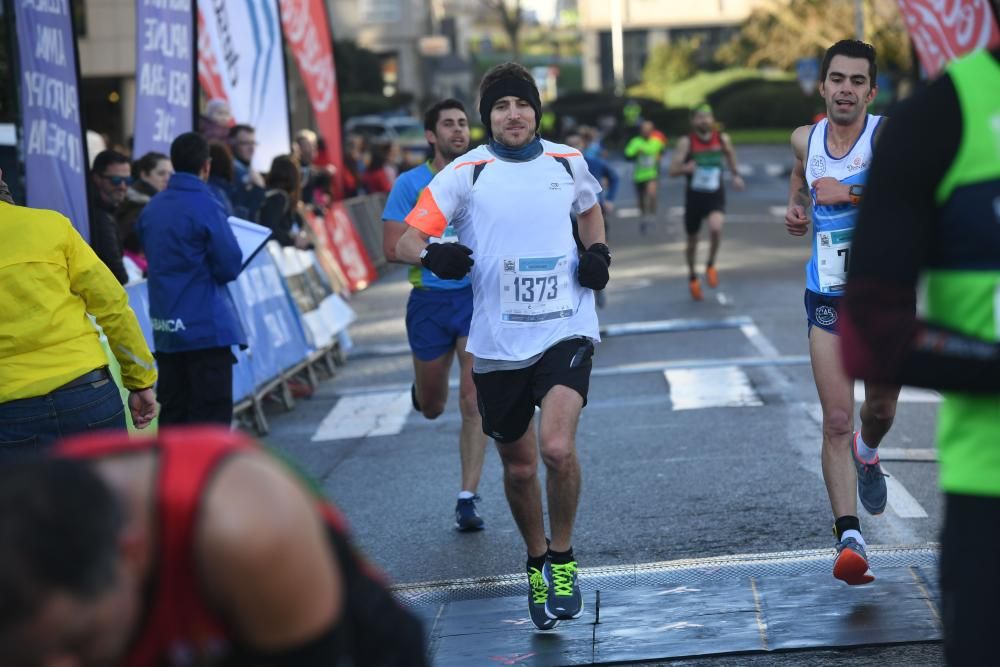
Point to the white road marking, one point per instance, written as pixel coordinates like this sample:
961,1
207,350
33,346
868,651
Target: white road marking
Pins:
774,169
658,366
759,340
632,284
901,531
628,213
723,299
900,501
365,415
778,211
667,326
724,387
611,371
916,454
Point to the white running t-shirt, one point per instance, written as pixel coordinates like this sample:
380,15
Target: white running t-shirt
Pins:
515,216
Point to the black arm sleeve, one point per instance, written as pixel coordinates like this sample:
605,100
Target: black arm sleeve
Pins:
882,338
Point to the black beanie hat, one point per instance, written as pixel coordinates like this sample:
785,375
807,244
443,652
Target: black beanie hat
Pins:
504,87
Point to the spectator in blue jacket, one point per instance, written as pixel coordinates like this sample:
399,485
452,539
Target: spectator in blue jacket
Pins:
192,254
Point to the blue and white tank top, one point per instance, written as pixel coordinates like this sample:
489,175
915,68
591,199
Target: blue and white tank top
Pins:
833,226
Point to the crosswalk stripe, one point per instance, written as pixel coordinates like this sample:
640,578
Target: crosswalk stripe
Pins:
363,416
900,501
725,387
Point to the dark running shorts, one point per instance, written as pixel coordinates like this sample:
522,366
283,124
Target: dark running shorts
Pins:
698,205
640,188
507,399
823,311
435,319
970,578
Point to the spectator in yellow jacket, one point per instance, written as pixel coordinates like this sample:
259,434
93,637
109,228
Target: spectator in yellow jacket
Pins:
54,377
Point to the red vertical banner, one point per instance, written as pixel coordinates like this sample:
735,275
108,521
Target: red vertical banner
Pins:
307,31
338,237
943,30
208,67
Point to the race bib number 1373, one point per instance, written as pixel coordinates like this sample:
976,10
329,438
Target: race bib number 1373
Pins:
535,289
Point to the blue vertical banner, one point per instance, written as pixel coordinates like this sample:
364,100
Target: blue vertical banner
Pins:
164,41
54,160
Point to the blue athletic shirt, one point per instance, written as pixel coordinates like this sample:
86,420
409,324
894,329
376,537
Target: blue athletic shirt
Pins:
833,226
402,199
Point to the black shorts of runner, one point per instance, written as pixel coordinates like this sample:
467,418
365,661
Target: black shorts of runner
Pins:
507,399
970,579
640,188
823,311
698,206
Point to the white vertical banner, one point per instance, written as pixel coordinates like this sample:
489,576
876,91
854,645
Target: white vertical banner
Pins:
243,40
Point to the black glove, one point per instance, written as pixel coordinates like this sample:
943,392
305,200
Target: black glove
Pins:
593,269
448,261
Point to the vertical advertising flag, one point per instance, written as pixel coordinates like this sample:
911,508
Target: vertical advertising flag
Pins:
54,160
164,60
244,59
308,34
347,248
943,31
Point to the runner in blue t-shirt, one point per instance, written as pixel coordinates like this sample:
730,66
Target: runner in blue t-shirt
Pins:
439,311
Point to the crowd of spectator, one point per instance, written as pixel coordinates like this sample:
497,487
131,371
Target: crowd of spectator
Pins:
305,177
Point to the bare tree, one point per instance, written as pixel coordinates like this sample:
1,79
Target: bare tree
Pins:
512,18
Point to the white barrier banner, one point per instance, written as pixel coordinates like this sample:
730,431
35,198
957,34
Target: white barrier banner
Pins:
241,55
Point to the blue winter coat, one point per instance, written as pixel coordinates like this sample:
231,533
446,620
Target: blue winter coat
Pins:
192,254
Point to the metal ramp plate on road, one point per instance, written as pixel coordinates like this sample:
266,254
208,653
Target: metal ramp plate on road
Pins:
713,606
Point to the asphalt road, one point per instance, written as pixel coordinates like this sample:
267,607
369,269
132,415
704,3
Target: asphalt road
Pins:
666,475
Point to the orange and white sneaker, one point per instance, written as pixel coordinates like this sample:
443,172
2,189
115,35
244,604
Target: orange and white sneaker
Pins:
851,564
713,277
695,286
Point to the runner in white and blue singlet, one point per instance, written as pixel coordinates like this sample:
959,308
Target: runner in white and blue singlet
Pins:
831,164
833,224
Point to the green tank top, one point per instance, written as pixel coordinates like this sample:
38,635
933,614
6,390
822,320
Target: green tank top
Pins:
646,153
962,293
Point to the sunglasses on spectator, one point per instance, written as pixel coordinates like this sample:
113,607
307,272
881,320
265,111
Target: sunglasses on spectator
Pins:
117,180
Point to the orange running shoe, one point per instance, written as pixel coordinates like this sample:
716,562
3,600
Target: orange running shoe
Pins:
713,277
695,286
851,565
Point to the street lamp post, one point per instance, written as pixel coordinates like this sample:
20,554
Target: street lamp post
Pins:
617,47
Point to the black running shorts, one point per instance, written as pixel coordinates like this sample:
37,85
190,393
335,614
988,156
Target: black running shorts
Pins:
698,205
507,399
970,579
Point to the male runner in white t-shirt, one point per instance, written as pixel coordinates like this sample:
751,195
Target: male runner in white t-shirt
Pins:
534,323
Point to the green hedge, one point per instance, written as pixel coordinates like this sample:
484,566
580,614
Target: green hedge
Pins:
588,108
760,104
